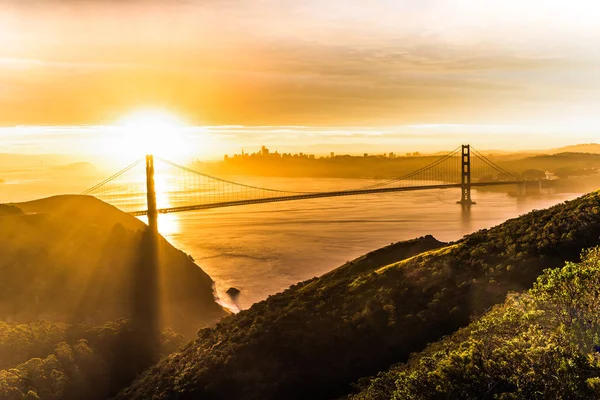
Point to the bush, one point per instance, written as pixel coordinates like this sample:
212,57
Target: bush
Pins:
541,344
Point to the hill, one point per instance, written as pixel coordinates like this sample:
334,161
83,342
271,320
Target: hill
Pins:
316,338
577,148
81,167
540,344
75,258
17,161
565,164
7,209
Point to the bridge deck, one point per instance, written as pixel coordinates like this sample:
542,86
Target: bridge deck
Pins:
317,195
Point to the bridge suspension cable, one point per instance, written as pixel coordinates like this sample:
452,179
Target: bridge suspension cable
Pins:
180,188
124,190
443,175
103,184
192,171
491,164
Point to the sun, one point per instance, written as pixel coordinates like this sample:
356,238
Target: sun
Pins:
152,131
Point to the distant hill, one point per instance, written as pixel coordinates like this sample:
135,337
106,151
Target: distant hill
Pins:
14,160
575,163
75,258
78,167
318,337
8,209
577,148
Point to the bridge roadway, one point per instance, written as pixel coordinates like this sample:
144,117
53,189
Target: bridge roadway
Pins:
317,195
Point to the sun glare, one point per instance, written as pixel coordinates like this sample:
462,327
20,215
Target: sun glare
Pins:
152,132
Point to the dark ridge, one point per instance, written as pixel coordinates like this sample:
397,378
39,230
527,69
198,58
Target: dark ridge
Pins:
9,209
75,258
319,336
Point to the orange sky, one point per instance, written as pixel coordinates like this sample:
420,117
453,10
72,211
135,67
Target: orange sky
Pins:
530,66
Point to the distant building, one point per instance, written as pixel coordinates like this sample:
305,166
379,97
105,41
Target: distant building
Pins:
391,155
332,154
366,155
264,151
551,176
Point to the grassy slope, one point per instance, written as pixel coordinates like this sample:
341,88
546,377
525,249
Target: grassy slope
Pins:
316,338
71,258
538,344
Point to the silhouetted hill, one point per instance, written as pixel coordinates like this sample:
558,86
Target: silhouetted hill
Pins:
78,167
9,209
319,336
83,208
75,258
577,171
15,160
556,161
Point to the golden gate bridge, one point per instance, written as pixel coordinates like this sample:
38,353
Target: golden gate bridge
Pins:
176,188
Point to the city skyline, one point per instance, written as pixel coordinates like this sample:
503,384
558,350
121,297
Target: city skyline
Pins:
211,143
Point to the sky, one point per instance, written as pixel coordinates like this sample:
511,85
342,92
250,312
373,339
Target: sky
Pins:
348,75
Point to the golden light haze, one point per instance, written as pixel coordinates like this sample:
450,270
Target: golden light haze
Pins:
493,68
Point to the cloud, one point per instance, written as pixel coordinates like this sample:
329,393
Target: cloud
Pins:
29,63
293,63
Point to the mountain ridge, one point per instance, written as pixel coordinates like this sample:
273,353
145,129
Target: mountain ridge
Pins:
77,257
319,336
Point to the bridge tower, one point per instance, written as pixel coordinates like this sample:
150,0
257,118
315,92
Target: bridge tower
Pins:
151,194
465,174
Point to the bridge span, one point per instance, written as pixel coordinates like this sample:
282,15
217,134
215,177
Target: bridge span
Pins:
185,189
318,195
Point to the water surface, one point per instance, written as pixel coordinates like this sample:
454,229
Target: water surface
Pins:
264,248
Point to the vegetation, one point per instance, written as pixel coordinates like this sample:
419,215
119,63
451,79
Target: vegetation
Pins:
78,267
539,345
74,258
312,340
42,360
74,269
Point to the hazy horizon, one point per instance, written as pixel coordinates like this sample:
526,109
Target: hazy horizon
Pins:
211,143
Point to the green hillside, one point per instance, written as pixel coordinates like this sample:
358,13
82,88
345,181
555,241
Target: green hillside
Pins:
542,344
316,338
